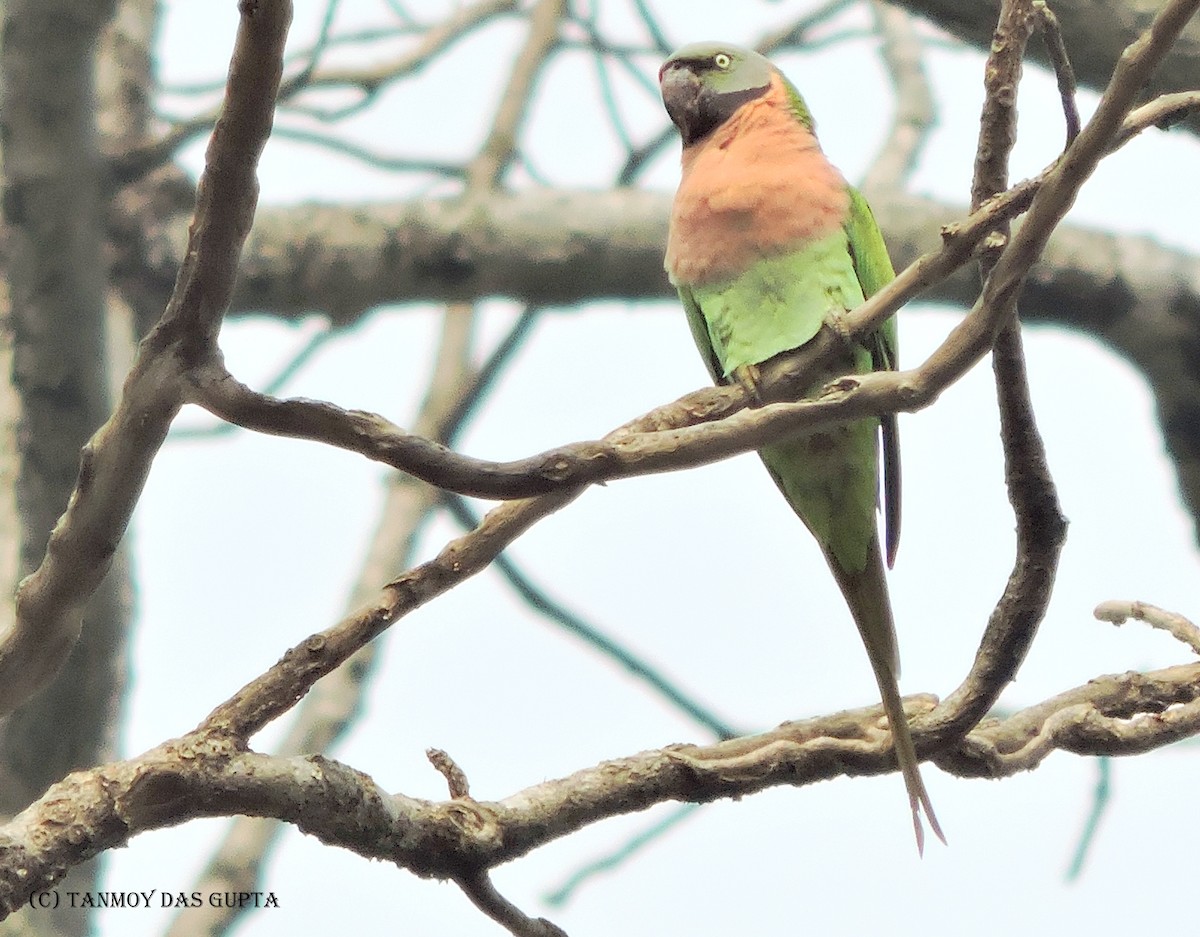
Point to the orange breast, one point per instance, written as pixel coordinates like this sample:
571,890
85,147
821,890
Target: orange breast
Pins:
758,185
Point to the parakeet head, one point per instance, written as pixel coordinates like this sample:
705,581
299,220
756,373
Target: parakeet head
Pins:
704,84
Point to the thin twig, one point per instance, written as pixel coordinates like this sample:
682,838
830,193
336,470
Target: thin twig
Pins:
367,156
116,462
652,27
799,32
133,164
322,43
1163,112
1040,524
1101,798
639,158
623,55
915,113
482,381
1117,612
354,37
1056,50
487,169
401,13
273,385
447,767
575,624
559,896
608,97
479,888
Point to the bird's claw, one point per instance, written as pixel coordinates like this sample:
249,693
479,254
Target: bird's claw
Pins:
836,320
749,378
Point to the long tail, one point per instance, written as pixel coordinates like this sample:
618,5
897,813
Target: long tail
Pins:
866,594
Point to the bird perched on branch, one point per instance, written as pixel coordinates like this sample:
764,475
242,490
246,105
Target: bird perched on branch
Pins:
768,243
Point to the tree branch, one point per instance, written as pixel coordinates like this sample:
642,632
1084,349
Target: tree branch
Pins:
1118,612
116,461
206,774
915,113
1040,523
1137,297
1096,32
1041,528
632,452
479,888
1056,52
134,163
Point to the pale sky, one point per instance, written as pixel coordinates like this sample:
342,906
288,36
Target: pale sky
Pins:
246,544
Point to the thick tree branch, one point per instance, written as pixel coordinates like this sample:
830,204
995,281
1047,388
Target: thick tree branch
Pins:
203,774
277,690
116,461
566,247
210,771
133,163
453,391
1041,528
915,115
1139,298
57,383
1095,32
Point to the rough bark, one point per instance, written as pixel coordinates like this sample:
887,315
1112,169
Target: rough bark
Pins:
1094,31
1141,299
58,390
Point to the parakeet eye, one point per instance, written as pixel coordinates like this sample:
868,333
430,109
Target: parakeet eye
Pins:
722,61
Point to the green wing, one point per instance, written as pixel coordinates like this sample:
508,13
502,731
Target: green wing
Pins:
695,320
777,304
780,303
874,269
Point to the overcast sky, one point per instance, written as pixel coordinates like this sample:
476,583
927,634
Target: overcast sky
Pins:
245,544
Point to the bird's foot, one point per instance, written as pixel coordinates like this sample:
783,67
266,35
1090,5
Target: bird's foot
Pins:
836,319
749,378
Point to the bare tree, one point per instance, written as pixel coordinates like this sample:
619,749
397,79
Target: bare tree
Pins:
95,258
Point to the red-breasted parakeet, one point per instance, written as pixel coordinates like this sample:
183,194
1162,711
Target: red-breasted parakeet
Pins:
767,243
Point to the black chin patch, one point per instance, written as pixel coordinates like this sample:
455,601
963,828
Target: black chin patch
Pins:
715,109
695,108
